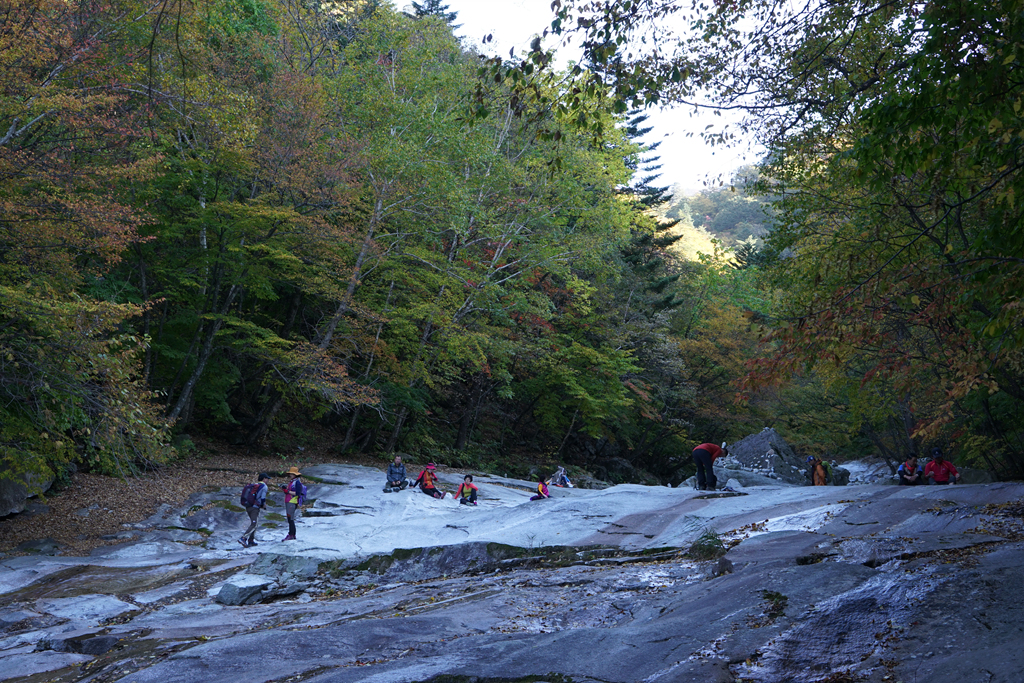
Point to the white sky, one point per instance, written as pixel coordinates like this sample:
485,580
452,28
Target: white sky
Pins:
685,160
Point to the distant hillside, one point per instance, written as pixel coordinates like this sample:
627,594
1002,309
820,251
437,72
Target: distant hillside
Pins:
726,213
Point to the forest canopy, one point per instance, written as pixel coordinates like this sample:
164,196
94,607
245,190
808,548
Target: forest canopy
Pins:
250,217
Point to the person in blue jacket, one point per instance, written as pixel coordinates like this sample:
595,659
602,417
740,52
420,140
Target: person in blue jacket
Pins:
396,476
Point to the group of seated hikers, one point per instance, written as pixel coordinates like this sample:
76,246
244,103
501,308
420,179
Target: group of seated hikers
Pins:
467,491
427,482
937,471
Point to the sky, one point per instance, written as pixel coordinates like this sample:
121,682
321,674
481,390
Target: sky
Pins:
686,161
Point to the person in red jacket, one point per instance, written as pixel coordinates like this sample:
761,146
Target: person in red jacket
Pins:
467,491
939,470
704,457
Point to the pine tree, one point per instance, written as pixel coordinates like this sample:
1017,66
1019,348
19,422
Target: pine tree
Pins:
645,165
429,8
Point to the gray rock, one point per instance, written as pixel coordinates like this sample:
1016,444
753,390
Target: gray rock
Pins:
244,589
84,609
10,617
86,643
767,453
43,546
15,490
278,564
971,475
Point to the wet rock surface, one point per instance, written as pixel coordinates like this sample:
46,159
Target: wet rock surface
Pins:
808,584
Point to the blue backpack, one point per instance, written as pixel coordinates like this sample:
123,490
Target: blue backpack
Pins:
299,489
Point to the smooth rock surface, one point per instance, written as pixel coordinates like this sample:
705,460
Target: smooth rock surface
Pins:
866,583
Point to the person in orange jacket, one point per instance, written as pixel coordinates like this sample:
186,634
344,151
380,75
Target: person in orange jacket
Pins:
704,457
426,481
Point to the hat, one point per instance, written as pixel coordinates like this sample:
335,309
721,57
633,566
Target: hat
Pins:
810,458
431,466
295,470
936,451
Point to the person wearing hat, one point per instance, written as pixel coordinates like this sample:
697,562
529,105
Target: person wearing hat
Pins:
426,481
816,471
294,497
939,471
254,498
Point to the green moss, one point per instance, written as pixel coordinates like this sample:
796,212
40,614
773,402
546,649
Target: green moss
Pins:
228,506
274,517
501,551
378,564
776,603
406,553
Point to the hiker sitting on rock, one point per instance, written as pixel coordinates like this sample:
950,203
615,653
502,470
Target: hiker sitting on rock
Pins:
294,497
426,481
254,499
910,473
939,471
542,491
396,476
467,491
704,457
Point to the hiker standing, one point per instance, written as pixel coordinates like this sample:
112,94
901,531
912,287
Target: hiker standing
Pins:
939,470
704,457
396,476
817,471
294,497
254,498
467,491
426,481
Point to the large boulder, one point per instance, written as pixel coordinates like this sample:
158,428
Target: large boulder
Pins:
15,490
768,454
244,589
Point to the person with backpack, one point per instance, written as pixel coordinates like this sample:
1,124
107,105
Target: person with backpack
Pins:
426,481
294,498
467,491
254,499
396,476
910,473
817,471
704,457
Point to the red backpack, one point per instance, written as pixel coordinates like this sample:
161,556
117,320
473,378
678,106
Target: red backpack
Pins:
249,491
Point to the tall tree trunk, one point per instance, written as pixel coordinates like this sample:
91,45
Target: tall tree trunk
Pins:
204,354
266,416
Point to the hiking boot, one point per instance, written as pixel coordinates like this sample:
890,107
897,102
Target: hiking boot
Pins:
252,542
289,537
244,544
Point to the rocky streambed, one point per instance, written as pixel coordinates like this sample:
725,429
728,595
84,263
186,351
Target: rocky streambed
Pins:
631,583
